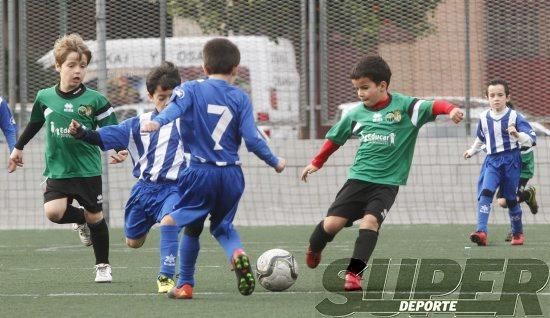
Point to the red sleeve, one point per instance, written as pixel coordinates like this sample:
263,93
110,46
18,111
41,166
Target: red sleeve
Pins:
442,107
327,149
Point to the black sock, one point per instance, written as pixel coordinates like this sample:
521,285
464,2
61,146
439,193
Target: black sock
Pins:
72,215
364,246
319,238
99,233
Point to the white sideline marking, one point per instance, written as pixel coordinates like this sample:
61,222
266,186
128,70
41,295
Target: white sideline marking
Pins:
156,294
22,269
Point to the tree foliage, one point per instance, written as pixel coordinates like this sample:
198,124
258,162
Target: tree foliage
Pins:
358,22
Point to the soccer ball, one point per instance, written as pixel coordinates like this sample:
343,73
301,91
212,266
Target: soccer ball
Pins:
276,270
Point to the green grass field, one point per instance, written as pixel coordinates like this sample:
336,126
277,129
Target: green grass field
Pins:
48,274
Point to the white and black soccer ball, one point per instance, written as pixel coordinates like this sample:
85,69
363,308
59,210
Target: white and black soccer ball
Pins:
276,269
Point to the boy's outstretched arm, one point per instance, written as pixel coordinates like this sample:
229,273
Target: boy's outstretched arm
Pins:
440,107
328,148
476,147
93,137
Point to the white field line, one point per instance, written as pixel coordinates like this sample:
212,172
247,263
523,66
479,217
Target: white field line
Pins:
259,293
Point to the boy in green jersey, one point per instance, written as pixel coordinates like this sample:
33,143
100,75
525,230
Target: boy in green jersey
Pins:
386,125
73,167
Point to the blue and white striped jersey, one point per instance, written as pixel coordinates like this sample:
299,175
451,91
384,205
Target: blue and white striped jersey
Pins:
216,116
494,132
158,157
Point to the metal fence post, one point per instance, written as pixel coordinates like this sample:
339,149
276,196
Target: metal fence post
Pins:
312,68
101,56
23,60
162,20
2,52
12,57
467,65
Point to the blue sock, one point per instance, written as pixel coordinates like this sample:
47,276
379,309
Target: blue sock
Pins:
168,250
483,210
515,219
189,251
229,240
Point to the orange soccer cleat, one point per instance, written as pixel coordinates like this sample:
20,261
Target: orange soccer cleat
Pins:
480,238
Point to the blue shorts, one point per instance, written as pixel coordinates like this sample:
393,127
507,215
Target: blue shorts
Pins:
501,170
209,190
147,205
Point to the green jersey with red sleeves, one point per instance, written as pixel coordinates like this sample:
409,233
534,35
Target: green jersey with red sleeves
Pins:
387,138
65,156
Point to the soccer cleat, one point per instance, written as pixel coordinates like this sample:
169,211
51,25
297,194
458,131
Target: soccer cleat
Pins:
183,292
243,270
480,238
353,282
518,239
83,233
312,258
508,237
164,284
103,273
532,201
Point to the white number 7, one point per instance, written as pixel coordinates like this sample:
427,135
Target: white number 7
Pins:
224,121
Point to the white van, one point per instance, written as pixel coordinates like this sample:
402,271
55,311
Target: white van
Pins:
268,73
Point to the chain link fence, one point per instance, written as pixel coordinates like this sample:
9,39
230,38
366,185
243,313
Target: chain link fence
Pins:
296,57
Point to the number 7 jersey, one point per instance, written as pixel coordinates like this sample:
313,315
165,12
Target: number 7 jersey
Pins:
215,117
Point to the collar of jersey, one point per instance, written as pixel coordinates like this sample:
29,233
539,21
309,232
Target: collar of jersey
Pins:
71,94
376,108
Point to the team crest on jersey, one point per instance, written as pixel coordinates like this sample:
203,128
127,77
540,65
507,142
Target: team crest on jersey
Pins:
68,108
85,110
376,118
180,93
393,117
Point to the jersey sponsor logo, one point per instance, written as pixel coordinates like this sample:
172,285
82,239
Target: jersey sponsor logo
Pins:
68,108
374,138
62,132
85,110
376,118
393,117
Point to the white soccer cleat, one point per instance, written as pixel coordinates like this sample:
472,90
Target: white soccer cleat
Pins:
103,273
83,233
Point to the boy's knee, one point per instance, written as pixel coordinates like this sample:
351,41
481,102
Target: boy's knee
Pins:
369,222
135,243
333,224
93,218
55,209
168,220
54,215
502,202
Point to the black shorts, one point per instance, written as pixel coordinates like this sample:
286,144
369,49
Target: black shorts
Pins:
87,191
358,198
521,187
